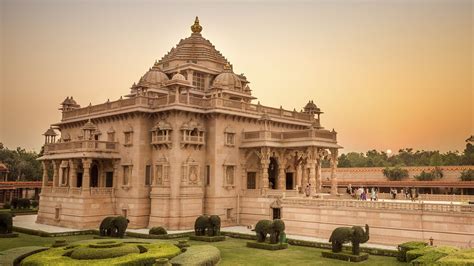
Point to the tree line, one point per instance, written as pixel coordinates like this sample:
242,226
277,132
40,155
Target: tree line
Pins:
22,164
406,157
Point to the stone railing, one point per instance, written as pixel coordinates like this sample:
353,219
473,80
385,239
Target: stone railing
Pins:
386,205
434,197
156,103
289,135
81,146
78,191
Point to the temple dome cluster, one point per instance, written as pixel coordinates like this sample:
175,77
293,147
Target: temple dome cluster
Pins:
227,80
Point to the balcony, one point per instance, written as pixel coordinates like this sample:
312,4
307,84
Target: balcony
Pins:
81,148
289,139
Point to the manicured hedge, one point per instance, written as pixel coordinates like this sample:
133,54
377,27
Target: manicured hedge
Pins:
158,231
407,246
461,257
208,238
64,255
15,255
197,256
168,236
428,254
46,234
345,256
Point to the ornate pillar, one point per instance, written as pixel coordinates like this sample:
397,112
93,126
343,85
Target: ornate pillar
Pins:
333,171
319,180
45,173
116,164
55,173
86,165
312,176
72,173
281,182
265,161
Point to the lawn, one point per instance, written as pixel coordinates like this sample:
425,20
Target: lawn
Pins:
233,252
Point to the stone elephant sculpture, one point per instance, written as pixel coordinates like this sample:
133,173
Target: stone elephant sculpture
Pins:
113,226
6,223
275,228
355,235
207,225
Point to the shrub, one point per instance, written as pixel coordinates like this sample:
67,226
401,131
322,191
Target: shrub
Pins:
214,228
395,174
7,206
113,226
429,255
467,175
89,253
34,204
407,246
198,255
22,204
262,228
158,231
14,203
434,174
461,257
6,223
201,224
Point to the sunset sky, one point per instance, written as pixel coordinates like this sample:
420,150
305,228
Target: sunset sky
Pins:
387,74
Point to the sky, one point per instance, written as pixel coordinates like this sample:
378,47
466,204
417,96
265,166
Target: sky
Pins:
386,74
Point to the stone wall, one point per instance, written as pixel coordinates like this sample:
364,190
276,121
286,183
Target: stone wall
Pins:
450,173
390,223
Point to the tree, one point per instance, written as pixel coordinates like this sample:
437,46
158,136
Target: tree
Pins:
395,174
467,175
22,164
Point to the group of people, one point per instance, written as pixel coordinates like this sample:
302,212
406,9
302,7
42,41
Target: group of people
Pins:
362,193
409,193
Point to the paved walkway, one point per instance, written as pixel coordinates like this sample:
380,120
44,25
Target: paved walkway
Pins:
29,221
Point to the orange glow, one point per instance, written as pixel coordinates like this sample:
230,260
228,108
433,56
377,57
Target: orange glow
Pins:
387,74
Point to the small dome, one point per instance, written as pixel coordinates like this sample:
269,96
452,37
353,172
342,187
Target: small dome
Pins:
227,80
153,77
311,107
178,76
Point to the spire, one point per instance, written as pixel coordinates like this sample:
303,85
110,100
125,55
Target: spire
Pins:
196,28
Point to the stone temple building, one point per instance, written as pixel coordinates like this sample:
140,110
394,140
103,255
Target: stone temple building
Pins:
186,140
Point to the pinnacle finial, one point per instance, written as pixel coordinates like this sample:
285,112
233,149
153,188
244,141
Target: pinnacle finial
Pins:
196,28
227,66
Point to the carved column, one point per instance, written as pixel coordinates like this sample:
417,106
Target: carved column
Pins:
281,182
333,171
116,164
312,175
265,161
86,165
319,180
55,173
72,173
45,173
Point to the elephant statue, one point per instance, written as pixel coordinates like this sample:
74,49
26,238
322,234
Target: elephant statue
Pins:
113,226
275,228
355,235
207,225
6,223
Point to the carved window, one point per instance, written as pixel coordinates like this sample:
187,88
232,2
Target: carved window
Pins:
198,80
148,175
229,136
128,136
229,175
192,134
111,135
127,170
161,134
161,174
191,173
251,180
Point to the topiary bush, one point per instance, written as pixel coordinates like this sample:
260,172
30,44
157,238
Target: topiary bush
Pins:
262,228
200,225
278,229
113,226
407,246
6,222
429,255
214,228
158,231
198,255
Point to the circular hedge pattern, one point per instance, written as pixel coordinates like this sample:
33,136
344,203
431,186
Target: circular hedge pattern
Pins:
96,253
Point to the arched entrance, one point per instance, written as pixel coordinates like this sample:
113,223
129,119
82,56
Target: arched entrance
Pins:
94,175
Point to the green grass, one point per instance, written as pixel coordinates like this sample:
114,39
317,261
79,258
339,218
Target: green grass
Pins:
233,252
24,240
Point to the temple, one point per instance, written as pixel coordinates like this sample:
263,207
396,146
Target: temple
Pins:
186,140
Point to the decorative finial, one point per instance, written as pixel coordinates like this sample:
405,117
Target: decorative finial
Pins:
227,66
196,28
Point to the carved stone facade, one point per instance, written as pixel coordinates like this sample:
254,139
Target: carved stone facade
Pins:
185,141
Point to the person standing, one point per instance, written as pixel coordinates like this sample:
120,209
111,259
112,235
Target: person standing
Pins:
307,190
373,195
